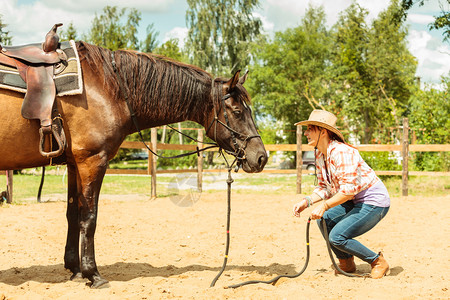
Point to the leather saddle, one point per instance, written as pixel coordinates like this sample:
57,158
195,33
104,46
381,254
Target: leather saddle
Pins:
37,64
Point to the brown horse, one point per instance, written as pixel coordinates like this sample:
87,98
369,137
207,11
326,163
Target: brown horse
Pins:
160,91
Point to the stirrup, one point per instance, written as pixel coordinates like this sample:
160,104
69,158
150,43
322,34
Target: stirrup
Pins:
52,130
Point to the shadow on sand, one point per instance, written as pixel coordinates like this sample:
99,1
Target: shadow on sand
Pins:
122,271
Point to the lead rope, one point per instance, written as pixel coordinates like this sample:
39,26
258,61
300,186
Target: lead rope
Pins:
275,279
227,246
327,240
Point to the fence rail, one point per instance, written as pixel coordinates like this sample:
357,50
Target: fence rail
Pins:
292,147
405,148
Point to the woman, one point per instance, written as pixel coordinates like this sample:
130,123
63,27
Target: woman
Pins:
352,199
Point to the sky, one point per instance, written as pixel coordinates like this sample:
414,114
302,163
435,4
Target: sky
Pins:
29,20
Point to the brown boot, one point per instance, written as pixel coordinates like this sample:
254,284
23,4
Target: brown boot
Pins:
347,265
380,267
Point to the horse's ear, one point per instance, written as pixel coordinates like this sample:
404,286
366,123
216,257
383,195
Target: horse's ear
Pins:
231,84
243,78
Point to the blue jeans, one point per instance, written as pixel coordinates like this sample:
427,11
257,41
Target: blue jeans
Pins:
347,221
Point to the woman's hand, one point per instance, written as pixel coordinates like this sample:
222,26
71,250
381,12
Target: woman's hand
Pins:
318,212
299,207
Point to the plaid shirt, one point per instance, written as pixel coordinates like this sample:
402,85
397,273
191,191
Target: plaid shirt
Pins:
346,172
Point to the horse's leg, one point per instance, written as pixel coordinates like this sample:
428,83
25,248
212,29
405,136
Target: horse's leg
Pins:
71,255
91,172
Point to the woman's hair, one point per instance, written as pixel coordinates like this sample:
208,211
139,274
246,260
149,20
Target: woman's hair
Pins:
334,136
331,134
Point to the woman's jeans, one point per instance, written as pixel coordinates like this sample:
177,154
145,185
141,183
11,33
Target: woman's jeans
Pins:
347,221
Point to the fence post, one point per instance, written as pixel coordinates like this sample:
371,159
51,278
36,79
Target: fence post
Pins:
180,136
152,161
299,159
9,186
200,161
405,154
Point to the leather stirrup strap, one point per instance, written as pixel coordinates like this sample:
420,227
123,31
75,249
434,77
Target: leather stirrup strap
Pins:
60,140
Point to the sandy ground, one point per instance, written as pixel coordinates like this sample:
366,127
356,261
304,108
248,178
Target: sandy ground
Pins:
152,249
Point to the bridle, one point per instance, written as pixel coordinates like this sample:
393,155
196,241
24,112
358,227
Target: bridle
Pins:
238,151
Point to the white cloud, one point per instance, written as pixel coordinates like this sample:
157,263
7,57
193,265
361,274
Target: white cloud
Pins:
283,13
179,33
30,23
266,24
287,13
420,19
98,5
433,56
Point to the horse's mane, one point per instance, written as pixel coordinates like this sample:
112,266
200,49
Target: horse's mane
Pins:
155,84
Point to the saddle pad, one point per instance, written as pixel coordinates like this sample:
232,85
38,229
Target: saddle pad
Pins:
68,82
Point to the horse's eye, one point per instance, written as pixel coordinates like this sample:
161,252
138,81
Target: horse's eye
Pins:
237,113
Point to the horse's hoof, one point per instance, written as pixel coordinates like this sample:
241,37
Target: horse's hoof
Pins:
77,277
99,284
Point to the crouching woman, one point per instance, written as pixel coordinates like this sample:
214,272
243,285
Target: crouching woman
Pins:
352,199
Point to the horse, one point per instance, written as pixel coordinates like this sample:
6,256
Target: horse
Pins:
119,86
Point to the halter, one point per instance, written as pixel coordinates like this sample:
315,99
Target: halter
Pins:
238,152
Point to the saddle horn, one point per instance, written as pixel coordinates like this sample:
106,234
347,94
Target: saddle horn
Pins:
51,39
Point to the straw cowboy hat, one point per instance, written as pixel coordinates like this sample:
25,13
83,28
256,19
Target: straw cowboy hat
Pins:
324,119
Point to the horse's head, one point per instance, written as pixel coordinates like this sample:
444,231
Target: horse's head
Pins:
231,124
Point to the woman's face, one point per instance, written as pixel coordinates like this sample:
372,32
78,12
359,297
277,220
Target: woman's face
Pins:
312,134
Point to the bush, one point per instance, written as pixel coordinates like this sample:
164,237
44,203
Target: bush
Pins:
431,161
381,161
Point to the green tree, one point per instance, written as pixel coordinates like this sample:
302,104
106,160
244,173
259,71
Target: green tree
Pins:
108,31
428,118
70,33
5,38
150,42
289,78
171,49
270,131
372,71
134,17
351,79
429,111
220,33
392,71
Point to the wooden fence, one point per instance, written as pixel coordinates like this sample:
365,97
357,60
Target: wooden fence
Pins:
405,148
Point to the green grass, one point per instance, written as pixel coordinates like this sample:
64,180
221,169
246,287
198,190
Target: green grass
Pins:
26,185
426,186
130,164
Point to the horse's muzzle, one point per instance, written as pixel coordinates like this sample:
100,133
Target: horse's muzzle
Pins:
254,162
